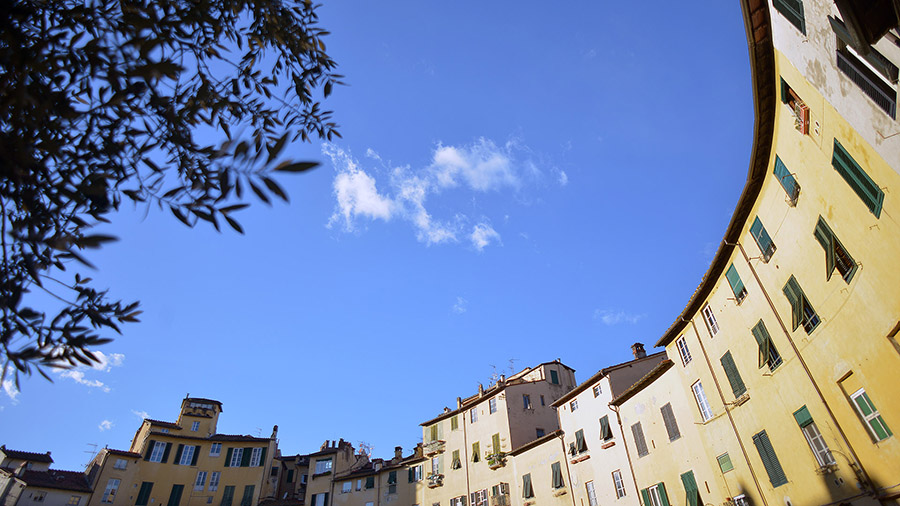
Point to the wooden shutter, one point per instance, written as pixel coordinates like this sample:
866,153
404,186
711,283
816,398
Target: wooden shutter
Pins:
313,502
495,442
792,10
556,475
245,457
669,419
605,433
803,417
150,446
247,500
144,494
228,495
527,490
262,456
867,190
166,453
769,459
178,453
412,474
370,482
690,488
639,441
734,279
175,495
763,340
758,231
645,494
196,455
825,237
228,457
786,178
454,422
580,443
734,378
661,488
795,296
476,449
290,476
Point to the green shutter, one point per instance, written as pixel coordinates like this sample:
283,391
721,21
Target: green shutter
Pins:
175,495
228,494
290,476
664,499
454,423
795,296
645,494
690,488
554,377
412,474
870,193
392,478
456,464
178,453
556,473
605,433
785,96
785,178
769,459
803,417
725,462
476,448
734,378
495,442
247,500
580,445
370,482
734,279
877,423
792,10
144,494
830,244
196,455
150,446
165,457
766,246
764,341
527,490
245,457
228,457
313,501
262,456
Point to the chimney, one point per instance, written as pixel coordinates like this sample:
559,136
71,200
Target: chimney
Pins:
480,390
458,402
638,350
398,452
274,432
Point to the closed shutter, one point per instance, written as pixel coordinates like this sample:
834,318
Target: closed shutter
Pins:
792,10
370,482
803,417
412,474
734,378
245,457
228,457
290,476
645,495
669,419
690,488
734,279
392,478
228,495
661,488
166,452
247,500
870,193
763,340
150,445
178,453
144,494
196,455
456,464
605,432
495,442
769,459
639,441
454,423
262,456
175,495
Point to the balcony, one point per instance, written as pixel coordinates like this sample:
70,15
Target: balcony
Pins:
500,500
495,460
435,480
433,448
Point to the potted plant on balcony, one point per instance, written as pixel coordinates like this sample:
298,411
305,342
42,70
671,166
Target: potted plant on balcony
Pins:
435,480
495,460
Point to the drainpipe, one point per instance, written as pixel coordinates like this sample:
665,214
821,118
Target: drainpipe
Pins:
637,490
562,443
862,471
466,453
737,434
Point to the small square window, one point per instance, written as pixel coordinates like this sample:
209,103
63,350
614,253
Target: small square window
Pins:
120,464
492,404
597,390
574,404
711,324
683,351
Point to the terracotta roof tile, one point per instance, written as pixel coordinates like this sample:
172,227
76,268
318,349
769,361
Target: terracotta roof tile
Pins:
56,479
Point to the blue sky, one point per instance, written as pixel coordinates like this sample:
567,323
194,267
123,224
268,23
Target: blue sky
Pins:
516,182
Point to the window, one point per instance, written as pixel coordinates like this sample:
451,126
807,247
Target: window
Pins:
120,464
500,494
691,489
164,431
435,467
702,403
836,256
574,404
873,73
274,471
319,499
370,482
200,482
195,426
769,459
556,475
741,500
346,487
802,312
492,405
159,449
784,176
605,431
580,443
143,496
655,495
415,474
303,478
870,415
256,457
215,450
554,377
801,114
237,454
479,498
358,485
669,420
526,401
737,286
539,432
39,496
290,476
187,455
112,486
768,354
734,378
766,246
639,442
725,463
454,422
683,351
476,450
227,495
247,500
175,495
813,437
458,501
710,319
619,483
214,480
792,10
527,489
856,177
323,466
434,432
592,496
473,415
495,443
455,463
74,500
597,391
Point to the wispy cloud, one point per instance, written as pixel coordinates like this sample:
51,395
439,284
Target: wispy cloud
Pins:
105,364
140,414
614,317
563,178
105,425
461,305
9,388
383,192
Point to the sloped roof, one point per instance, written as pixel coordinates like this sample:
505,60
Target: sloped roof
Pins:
56,479
33,457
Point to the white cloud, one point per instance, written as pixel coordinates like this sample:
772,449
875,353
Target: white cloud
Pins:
141,414
104,364
614,317
563,178
384,192
78,377
105,425
482,235
461,305
9,388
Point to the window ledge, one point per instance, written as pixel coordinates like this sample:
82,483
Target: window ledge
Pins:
608,445
560,492
580,459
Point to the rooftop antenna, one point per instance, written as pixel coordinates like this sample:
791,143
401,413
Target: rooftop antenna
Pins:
93,453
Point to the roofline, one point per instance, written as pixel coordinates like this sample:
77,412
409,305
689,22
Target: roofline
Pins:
537,442
642,383
758,29
598,375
